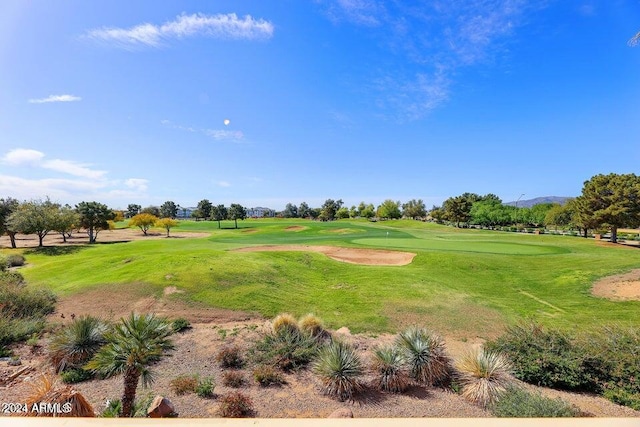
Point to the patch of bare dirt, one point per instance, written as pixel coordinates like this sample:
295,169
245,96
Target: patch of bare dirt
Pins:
295,228
619,287
349,255
105,236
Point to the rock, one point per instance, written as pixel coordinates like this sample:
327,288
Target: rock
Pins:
341,413
161,407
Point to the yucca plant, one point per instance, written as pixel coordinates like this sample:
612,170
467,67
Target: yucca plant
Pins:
74,345
311,324
389,367
284,321
484,376
340,369
425,354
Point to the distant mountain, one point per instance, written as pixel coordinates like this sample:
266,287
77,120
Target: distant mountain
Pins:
546,199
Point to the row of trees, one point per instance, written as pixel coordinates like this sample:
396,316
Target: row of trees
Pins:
43,217
334,209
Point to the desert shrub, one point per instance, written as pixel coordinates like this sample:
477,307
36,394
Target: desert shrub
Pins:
266,375
236,405
180,324
389,368
15,260
140,407
11,278
283,322
312,325
484,376
205,387
425,353
230,357
233,379
517,402
17,330
546,357
75,344
184,384
18,301
622,397
340,370
286,349
75,375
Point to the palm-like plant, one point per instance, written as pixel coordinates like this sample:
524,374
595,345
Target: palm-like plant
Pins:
485,375
133,344
74,345
391,374
425,353
340,369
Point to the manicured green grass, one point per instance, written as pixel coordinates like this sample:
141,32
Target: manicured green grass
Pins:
462,282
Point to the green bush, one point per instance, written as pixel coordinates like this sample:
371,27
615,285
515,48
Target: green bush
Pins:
516,402
75,344
425,354
140,407
622,397
288,349
11,278
205,387
180,324
18,301
390,371
75,375
15,260
340,370
546,357
17,330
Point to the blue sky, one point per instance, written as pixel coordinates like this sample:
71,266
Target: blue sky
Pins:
125,102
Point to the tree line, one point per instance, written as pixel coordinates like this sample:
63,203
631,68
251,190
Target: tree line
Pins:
607,202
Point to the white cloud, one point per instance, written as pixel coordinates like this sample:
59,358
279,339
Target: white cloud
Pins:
138,184
220,134
21,156
223,184
218,26
55,98
361,12
72,168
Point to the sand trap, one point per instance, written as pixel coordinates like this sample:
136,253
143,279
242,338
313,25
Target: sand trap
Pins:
350,255
619,287
295,228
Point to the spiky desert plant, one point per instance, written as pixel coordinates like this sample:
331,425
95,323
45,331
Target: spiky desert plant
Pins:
132,345
46,391
311,324
284,321
425,354
340,369
484,376
389,367
76,343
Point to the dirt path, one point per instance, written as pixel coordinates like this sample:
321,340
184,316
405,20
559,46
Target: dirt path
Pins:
350,255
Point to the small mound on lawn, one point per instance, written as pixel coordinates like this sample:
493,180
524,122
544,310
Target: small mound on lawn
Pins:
349,255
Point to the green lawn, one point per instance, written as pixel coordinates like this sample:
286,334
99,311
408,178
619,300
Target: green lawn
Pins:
462,282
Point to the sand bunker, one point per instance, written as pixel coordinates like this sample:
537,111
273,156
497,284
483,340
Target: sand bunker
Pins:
619,287
350,255
295,228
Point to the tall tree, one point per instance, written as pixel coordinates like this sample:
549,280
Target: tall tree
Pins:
132,346
168,210
7,207
389,210
237,212
94,217
34,217
133,209
218,213
151,210
303,210
559,215
204,208
414,209
66,220
290,211
611,201
457,209
329,209
369,211
167,224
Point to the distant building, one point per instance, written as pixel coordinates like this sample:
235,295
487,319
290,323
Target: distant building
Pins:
184,213
260,213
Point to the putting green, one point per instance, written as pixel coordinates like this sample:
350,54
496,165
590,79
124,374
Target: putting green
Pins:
483,246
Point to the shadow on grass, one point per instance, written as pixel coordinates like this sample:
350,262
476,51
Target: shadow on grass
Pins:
55,250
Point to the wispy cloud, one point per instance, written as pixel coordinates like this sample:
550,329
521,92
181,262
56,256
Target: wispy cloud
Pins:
84,181
223,184
437,39
217,134
219,26
55,98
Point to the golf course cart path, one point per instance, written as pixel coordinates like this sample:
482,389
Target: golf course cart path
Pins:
619,287
349,255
